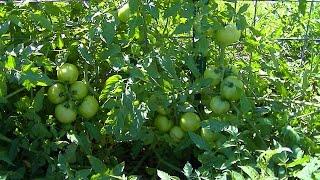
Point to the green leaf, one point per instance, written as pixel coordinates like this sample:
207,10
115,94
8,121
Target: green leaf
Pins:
236,176
192,66
118,169
250,171
199,141
307,172
97,165
85,54
42,20
38,100
187,170
243,8
153,10
108,31
302,6
93,130
4,156
11,63
113,86
4,27
83,173
183,28
245,104
163,175
172,11
299,161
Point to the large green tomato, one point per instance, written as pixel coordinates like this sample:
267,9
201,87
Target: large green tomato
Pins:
124,13
176,133
218,105
57,93
68,73
228,35
190,121
79,90
207,134
215,74
163,123
65,113
231,88
89,107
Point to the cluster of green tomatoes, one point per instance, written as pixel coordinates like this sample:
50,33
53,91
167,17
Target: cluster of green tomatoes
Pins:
71,96
231,88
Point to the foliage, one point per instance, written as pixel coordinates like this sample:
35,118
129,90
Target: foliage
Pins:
151,64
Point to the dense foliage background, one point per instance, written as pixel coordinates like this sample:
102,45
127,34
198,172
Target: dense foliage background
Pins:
156,59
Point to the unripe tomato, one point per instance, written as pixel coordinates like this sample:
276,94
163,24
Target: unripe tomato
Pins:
231,88
163,123
228,35
215,74
79,90
161,110
65,113
190,121
208,135
124,13
68,73
89,107
219,106
57,93
176,133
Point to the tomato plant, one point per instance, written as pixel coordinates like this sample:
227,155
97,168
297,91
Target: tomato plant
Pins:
57,93
219,106
190,121
68,73
159,90
88,107
176,133
231,88
228,35
65,113
79,90
163,123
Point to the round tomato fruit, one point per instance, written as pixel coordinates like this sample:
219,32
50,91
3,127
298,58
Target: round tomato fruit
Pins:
218,105
124,13
228,35
176,133
190,121
89,107
68,73
231,88
207,134
163,123
79,90
65,113
215,74
57,93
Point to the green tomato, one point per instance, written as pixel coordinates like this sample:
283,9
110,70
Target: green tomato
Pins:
163,123
215,74
208,135
228,35
57,93
65,113
176,133
231,88
124,13
161,110
219,106
231,70
190,121
68,73
79,90
89,107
